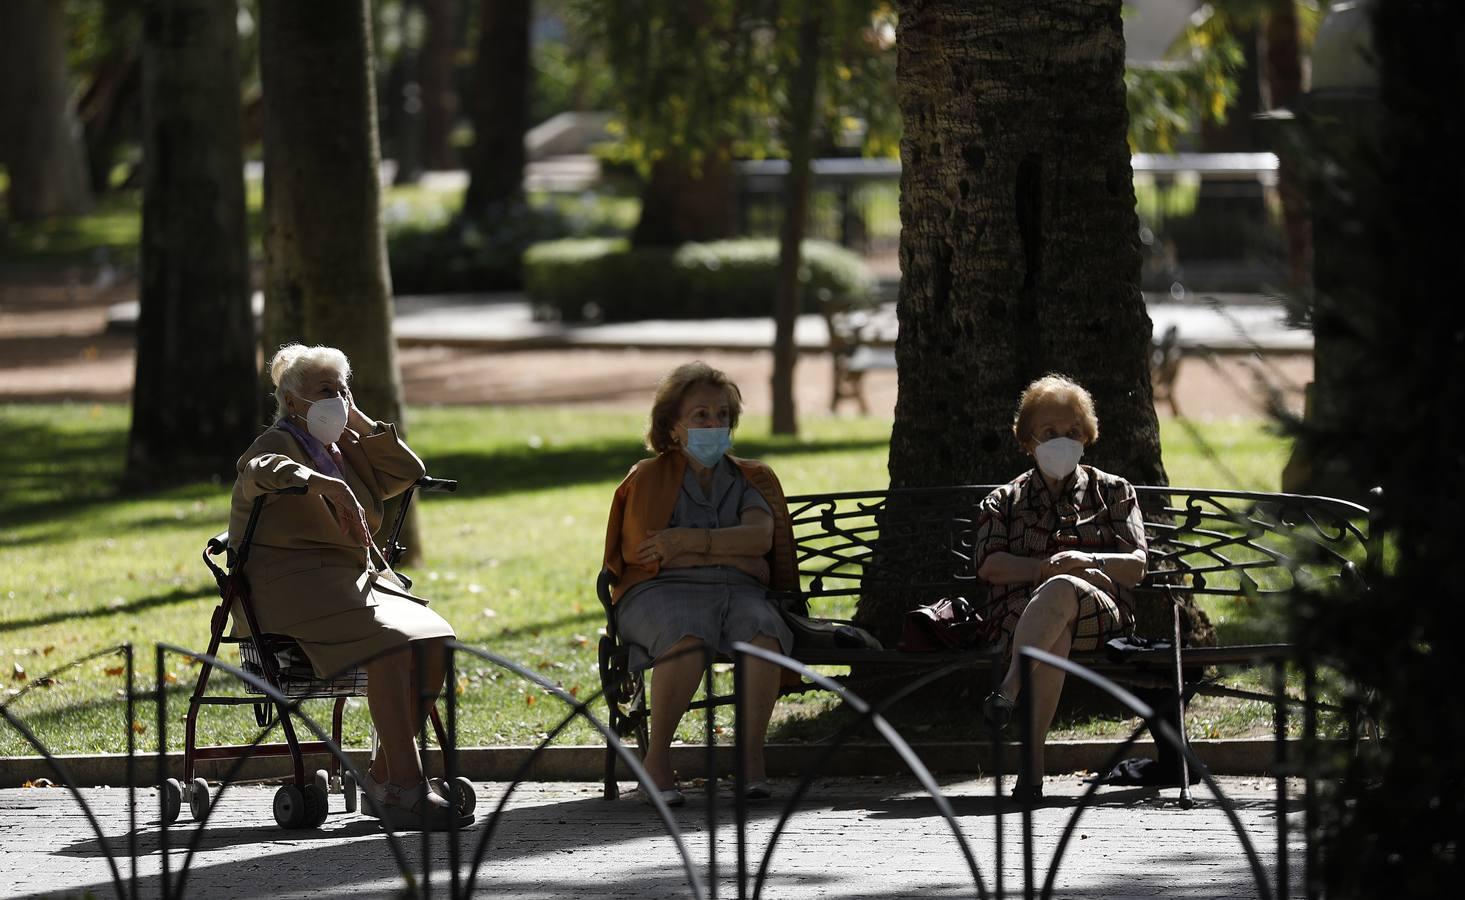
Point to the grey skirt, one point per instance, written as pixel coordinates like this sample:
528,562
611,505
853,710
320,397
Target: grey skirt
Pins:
718,604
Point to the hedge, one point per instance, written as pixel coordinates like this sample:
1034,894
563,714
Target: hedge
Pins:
606,280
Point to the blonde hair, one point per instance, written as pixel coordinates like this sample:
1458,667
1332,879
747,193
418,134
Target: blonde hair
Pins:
667,407
292,362
1054,389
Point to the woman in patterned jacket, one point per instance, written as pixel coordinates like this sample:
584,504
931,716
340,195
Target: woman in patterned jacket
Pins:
1062,546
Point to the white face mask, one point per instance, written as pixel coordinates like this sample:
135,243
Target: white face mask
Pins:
326,419
1058,457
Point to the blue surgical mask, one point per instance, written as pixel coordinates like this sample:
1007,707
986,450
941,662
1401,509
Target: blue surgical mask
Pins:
707,445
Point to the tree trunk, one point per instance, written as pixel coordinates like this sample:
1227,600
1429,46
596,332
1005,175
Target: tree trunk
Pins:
326,276
40,140
439,95
1019,242
501,113
195,400
406,100
803,87
680,204
1283,69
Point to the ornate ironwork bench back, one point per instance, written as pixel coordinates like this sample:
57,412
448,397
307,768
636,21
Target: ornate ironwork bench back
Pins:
918,543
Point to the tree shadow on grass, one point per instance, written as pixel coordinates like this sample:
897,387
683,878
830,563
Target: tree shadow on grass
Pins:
177,595
55,475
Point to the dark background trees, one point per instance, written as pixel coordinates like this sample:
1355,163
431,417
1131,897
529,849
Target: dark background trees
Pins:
195,401
40,141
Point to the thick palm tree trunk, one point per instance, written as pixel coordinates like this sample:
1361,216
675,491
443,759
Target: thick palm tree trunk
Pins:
1019,247
195,401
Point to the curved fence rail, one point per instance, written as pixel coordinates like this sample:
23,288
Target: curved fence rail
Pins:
752,867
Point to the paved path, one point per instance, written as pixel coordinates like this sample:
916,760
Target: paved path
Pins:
1225,323
852,838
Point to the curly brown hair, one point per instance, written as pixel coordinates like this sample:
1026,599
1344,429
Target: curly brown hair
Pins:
1057,390
666,408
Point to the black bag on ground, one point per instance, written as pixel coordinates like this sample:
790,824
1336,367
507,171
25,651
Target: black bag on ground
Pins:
950,623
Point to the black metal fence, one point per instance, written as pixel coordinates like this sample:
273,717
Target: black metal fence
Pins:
470,852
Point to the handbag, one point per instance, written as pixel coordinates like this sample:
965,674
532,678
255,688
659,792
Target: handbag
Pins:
950,623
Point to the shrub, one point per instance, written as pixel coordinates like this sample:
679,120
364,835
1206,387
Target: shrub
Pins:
610,281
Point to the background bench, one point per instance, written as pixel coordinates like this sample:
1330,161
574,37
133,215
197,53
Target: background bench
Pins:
917,544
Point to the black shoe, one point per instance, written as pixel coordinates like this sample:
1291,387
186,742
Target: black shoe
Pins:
997,710
1027,793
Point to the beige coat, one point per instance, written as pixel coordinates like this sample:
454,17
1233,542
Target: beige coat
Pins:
301,566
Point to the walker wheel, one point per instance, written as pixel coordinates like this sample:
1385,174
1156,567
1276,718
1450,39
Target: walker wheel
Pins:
317,805
459,791
323,781
198,799
171,792
348,791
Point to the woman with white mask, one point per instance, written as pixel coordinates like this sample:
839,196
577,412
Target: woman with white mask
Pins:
315,575
695,538
1062,546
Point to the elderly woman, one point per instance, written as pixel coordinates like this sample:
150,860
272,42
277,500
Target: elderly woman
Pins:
694,540
1062,545
315,575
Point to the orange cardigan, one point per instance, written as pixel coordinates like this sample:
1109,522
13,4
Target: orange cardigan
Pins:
644,502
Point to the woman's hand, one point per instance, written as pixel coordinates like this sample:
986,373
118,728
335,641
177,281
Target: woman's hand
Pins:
662,547
1070,562
350,517
357,420
1097,578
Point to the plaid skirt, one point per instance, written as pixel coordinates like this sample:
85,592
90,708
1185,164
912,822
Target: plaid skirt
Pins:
1100,617
718,604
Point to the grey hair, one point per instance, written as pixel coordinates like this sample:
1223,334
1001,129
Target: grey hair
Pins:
292,362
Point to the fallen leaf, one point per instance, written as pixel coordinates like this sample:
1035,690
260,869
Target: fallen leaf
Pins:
47,651
530,699
575,691
576,608
48,682
462,686
579,640
138,727
114,670
18,673
171,678
38,783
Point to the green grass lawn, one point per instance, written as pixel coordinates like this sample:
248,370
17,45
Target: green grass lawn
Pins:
510,559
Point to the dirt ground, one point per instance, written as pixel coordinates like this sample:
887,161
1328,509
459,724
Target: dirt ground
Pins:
54,346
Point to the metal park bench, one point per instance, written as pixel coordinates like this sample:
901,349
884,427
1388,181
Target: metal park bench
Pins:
917,545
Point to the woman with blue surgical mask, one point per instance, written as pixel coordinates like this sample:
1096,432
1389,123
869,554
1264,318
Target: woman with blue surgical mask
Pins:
696,538
1062,546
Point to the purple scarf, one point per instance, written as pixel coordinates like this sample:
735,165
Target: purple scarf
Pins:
327,458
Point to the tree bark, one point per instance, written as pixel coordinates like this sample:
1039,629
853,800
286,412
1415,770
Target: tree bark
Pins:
803,87
40,139
501,113
1019,242
680,204
195,399
439,95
